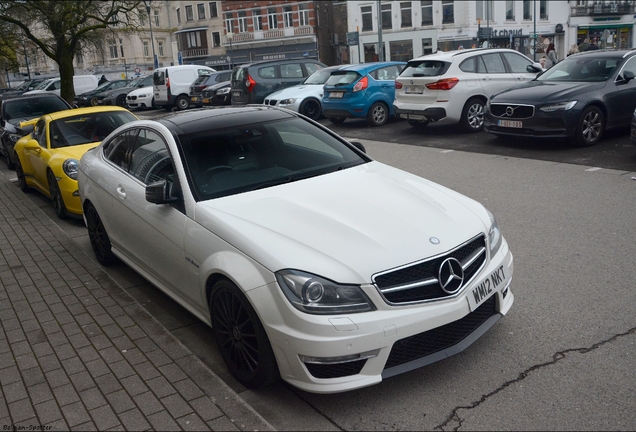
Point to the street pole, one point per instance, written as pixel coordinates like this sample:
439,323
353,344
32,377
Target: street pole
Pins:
534,40
380,46
155,60
229,37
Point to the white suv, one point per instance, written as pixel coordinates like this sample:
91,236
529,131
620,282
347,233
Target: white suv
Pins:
454,86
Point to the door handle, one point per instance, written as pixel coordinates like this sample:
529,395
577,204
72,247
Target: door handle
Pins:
121,192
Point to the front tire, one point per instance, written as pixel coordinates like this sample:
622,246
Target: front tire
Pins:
378,114
22,184
473,116
93,101
121,101
311,108
590,128
241,337
56,196
182,103
8,159
98,237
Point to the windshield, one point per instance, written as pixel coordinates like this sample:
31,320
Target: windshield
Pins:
256,156
44,84
585,69
136,81
32,107
86,128
319,77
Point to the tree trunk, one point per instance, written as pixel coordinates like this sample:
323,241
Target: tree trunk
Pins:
65,63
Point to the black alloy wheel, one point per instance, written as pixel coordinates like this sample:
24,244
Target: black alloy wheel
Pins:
241,337
56,196
98,237
121,101
311,108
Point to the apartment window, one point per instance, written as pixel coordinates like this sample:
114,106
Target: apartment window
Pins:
400,51
527,9
121,48
405,13
427,13
216,39
427,46
303,15
146,50
484,9
448,12
272,18
367,18
178,16
287,17
510,10
543,9
193,39
157,22
242,22
229,23
201,11
386,17
160,48
257,18
112,48
213,11
189,13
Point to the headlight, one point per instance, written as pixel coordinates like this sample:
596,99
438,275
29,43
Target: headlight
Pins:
109,95
143,95
70,168
494,235
14,137
287,101
222,91
82,98
316,295
559,106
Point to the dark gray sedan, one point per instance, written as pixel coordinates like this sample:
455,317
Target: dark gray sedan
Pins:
578,99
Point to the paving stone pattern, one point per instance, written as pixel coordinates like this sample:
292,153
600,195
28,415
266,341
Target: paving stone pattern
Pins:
78,353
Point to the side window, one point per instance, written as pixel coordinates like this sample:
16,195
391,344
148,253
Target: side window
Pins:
56,85
291,70
494,63
42,136
312,67
517,63
468,65
38,130
151,161
267,72
119,149
204,72
629,66
224,77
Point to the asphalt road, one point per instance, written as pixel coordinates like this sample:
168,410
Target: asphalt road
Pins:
563,358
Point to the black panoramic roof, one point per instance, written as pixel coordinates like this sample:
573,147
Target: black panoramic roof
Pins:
205,119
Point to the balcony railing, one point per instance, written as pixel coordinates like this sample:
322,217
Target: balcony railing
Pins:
602,8
288,32
199,52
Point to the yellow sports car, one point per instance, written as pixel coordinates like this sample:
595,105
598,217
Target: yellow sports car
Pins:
47,159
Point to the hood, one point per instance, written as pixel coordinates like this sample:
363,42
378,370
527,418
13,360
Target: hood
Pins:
298,91
346,225
545,91
74,152
142,90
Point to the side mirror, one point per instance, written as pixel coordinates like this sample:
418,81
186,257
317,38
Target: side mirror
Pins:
75,106
628,76
159,193
359,146
31,145
534,68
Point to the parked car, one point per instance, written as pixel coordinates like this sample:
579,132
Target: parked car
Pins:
22,88
47,158
454,86
205,81
16,115
288,253
81,84
217,94
172,85
141,99
251,82
305,97
365,90
90,98
579,98
118,96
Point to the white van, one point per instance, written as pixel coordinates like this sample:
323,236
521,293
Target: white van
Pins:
82,83
172,84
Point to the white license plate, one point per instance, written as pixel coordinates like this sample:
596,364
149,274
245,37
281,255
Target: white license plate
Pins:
336,95
510,123
413,90
236,94
482,292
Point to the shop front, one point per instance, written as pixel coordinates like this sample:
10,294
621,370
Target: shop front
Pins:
608,36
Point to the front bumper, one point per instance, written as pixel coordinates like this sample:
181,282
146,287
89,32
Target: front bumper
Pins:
70,194
557,124
328,354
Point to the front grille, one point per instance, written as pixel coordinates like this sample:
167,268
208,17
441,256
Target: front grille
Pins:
512,111
207,94
395,285
272,102
131,97
440,338
335,370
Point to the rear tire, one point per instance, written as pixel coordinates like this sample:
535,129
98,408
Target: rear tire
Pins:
182,103
590,128
311,108
121,101
241,337
473,116
378,114
98,237
154,105
56,196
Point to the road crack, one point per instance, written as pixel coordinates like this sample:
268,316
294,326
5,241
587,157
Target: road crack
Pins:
455,421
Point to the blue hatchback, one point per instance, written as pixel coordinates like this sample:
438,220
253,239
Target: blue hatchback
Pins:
364,90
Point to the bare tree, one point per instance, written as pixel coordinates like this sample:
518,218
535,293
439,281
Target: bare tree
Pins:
61,28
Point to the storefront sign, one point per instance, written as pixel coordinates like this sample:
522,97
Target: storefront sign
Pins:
506,33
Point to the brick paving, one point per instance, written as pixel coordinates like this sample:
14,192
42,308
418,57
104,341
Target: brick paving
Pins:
78,353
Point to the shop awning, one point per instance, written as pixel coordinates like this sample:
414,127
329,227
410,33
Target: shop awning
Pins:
605,26
191,29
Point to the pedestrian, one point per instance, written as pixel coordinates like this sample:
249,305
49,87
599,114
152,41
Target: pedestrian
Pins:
592,46
542,60
574,49
584,45
102,80
551,55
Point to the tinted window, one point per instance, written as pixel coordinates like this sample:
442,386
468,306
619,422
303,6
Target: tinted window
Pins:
319,77
159,78
312,67
516,62
494,63
581,69
86,128
150,160
387,73
32,107
424,68
291,70
267,72
341,78
468,65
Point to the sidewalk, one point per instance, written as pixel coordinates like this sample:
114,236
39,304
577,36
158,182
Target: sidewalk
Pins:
77,352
